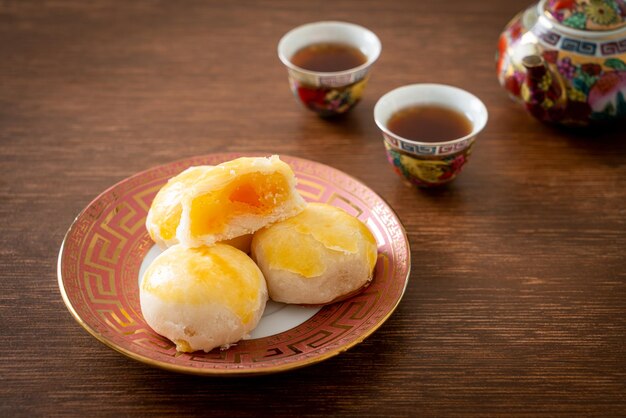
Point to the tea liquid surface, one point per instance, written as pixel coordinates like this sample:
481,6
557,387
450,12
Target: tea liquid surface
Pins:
328,57
429,123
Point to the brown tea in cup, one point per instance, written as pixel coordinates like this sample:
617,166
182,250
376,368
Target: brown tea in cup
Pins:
429,123
328,57
433,160
347,52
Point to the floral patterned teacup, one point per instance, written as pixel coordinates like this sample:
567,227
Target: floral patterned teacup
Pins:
329,93
426,164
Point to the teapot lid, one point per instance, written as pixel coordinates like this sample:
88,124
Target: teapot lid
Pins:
588,15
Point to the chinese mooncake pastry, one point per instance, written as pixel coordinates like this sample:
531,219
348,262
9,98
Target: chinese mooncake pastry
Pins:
202,298
205,204
319,256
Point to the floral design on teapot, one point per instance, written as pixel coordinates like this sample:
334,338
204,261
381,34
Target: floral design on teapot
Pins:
588,15
582,44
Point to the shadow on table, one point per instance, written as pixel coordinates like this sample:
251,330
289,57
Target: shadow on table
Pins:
599,141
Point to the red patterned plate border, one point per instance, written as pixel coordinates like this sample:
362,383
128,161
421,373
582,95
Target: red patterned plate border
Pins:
102,252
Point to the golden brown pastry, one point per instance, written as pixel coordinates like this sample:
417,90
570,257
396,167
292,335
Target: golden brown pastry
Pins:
202,298
204,205
319,256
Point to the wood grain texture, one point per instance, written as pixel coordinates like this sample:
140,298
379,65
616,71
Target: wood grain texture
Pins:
517,299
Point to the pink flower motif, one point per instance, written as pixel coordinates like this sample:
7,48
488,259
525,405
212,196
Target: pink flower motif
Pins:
605,90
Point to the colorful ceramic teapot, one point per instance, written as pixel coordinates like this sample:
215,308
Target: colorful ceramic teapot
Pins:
566,60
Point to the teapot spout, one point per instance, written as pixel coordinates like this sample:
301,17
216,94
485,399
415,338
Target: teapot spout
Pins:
543,90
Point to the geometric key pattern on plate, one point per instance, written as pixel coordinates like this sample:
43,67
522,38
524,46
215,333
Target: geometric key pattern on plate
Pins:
102,252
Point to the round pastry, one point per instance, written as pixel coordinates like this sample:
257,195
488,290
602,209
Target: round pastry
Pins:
319,256
202,298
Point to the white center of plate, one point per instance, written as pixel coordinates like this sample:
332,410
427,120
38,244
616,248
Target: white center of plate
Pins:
277,317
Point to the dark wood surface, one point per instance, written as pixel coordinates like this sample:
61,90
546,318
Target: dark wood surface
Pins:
516,303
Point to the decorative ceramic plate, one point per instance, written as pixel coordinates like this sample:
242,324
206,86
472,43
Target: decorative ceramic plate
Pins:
107,248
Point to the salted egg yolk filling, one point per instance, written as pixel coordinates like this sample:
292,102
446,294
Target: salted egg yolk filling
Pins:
248,194
170,222
197,276
167,205
319,228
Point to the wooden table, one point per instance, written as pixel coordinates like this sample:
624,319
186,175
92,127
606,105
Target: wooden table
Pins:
516,302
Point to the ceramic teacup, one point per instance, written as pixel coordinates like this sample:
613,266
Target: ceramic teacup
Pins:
426,164
329,93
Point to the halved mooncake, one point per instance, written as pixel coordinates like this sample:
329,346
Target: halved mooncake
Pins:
319,256
208,204
202,298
